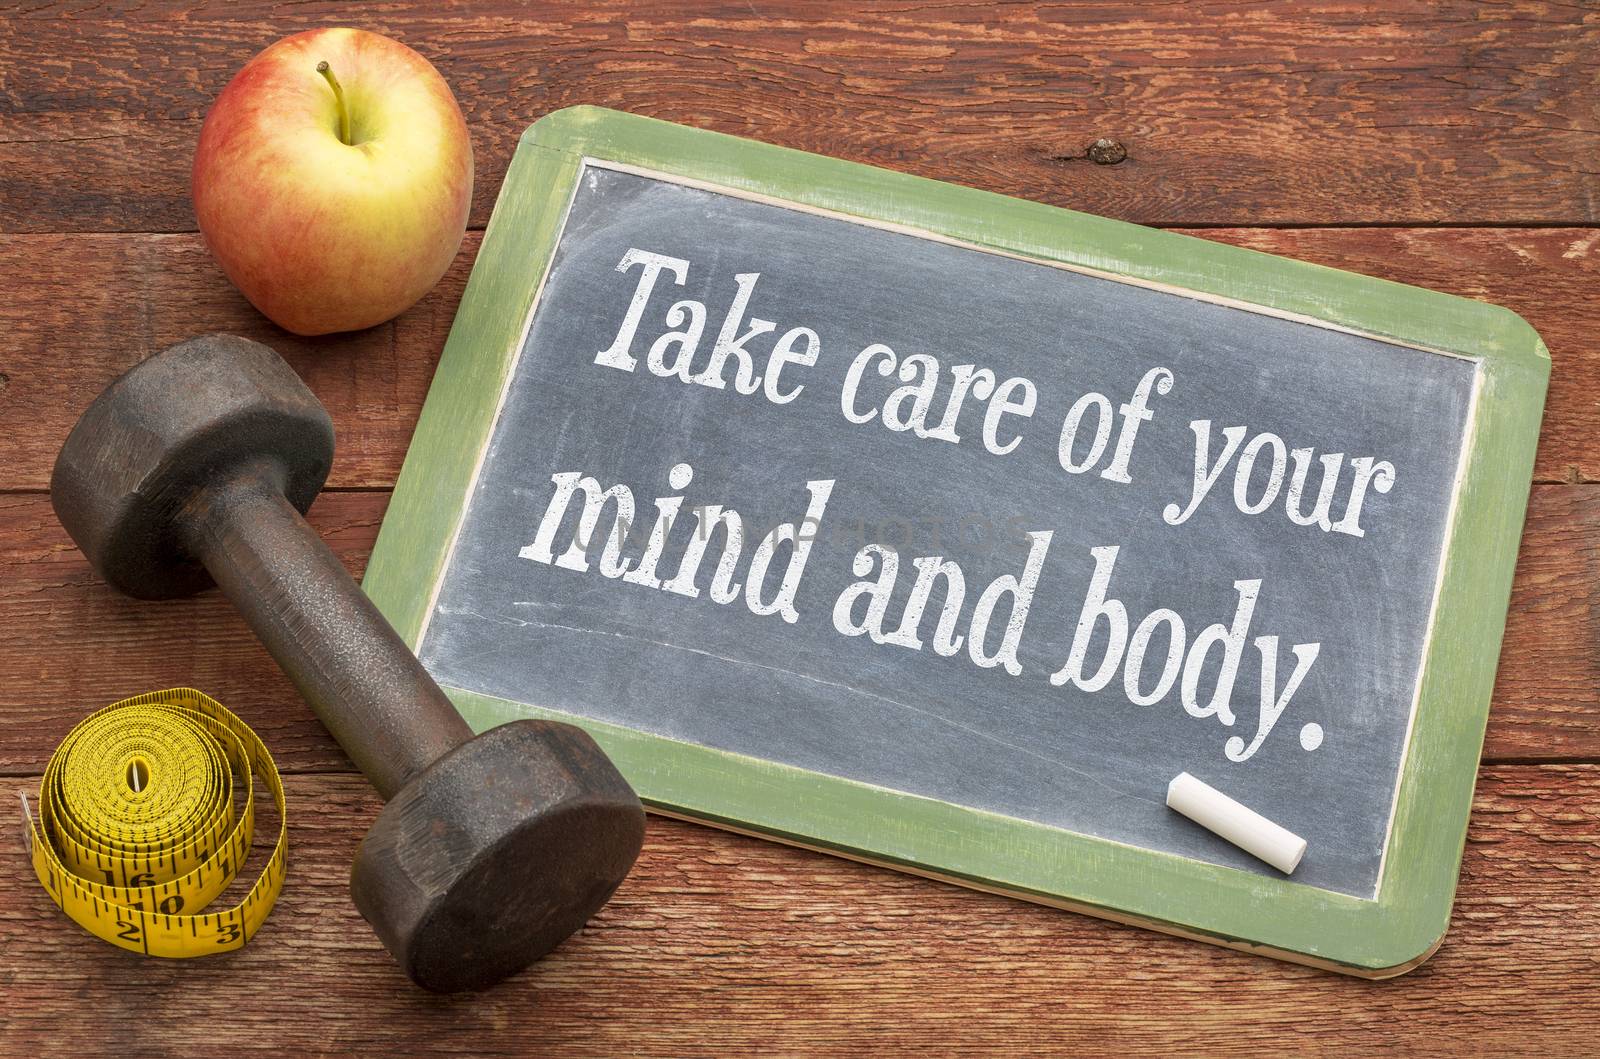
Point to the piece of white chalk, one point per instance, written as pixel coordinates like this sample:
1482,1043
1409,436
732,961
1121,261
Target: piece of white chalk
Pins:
1244,827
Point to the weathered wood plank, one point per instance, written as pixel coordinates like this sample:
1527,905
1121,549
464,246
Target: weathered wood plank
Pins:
1231,112
719,945
72,644
79,309
1546,702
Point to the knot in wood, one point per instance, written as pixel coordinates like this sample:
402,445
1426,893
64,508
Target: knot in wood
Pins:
1105,151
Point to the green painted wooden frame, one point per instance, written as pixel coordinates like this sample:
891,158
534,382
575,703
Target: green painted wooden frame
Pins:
1373,938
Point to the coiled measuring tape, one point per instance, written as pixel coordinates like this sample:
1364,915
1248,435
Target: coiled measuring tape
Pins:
139,828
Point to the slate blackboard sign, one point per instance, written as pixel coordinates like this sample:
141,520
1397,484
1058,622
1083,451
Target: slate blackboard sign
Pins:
943,530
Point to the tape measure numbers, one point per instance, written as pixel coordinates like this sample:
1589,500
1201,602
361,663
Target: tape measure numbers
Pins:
138,829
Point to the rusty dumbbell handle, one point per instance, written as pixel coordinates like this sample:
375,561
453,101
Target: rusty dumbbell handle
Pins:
346,660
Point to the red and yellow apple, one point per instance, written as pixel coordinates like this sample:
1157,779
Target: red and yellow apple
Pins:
333,179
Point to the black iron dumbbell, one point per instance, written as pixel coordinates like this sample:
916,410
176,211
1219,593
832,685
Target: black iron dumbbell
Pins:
194,468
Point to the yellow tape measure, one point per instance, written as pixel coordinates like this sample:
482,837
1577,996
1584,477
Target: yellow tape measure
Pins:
139,830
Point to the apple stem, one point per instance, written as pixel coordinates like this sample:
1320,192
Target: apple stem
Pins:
338,98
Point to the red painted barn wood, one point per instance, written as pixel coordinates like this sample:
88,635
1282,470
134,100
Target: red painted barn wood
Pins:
1450,145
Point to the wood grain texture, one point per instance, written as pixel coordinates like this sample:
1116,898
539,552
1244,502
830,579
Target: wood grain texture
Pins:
73,644
1231,112
80,309
722,945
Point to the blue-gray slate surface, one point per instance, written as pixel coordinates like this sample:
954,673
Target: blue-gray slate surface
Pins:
809,695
